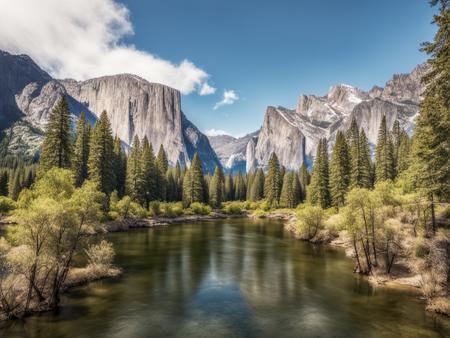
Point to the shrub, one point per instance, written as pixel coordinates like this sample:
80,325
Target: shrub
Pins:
172,209
232,208
6,205
125,208
154,208
420,248
100,255
310,221
200,208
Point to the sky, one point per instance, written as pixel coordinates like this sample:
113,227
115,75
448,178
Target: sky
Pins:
229,58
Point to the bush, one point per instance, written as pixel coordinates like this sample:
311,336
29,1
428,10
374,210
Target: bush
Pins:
101,255
310,221
6,205
154,208
172,209
232,208
200,208
125,208
420,248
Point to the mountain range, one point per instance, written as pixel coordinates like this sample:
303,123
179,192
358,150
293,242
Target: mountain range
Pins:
139,108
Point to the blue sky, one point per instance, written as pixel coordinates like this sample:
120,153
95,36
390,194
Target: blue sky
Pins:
270,51
261,52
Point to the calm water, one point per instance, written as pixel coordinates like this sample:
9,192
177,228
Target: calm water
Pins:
231,278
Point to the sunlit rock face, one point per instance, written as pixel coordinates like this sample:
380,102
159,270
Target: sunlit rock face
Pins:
293,134
134,106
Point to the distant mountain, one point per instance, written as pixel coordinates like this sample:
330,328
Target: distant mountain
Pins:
135,108
293,134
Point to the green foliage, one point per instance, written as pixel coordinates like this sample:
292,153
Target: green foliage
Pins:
120,162
6,205
81,150
4,183
257,189
162,166
240,189
172,209
339,171
229,187
319,191
288,198
304,179
154,208
384,156
125,208
57,145
310,221
194,183
232,208
101,163
100,256
198,208
216,188
272,184
136,185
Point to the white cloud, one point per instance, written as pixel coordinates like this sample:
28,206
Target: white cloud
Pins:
216,132
206,89
229,97
83,39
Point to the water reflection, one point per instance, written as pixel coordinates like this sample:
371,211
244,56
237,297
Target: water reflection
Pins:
231,278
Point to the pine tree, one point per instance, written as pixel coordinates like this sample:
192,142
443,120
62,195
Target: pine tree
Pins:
287,198
304,178
135,182
296,188
81,150
101,156
431,141
216,192
319,187
15,185
257,190
120,167
149,172
404,153
57,145
365,163
240,189
171,191
272,182
396,138
229,187
353,143
162,166
179,181
250,179
194,183
339,171
4,182
384,165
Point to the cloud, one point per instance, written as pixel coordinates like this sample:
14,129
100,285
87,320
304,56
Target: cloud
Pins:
216,132
229,97
206,89
84,39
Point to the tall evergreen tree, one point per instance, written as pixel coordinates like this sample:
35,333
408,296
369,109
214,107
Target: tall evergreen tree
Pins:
272,182
431,141
4,182
365,179
178,176
287,198
57,145
120,166
384,165
135,181
229,187
319,187
216,187
257,190
297,189
150,172
250,179
404,153
339,171
304,178
194,183
162,165
353,143
240,190
81,150
101,156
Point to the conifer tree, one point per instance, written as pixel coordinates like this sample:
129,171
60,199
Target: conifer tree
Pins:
120,167
384,165
404,153
57,145
287,198
178,176
4,182
319,188
194,183
171,191
353,143
396,138
296,188
135,181
15,185
365,179
162,166
431,141
229,187
304,179
150,173
240,189
81,150
272,181
257,190
216,188
101,156
339,171
250,178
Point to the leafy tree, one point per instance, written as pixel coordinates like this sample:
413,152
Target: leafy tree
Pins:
81,150
194,183
257,190
384,158
101,156
272,182
339,171
431,141
57,145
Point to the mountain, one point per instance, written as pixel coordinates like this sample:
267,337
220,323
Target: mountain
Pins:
293,134
134,106
232,151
